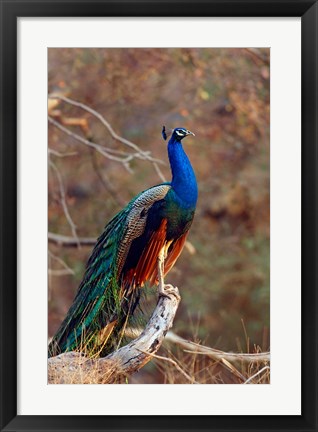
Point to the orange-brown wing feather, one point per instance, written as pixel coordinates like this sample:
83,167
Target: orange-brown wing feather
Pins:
147,267
148,261
174,252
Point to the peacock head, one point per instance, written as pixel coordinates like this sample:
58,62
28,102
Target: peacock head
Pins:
178,133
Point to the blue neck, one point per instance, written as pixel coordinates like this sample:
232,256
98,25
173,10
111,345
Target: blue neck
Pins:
183,178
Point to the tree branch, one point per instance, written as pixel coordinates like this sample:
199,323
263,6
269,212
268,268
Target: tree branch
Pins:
62,240
215,354
75,368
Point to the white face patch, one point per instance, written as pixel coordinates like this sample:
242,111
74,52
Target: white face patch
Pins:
180,133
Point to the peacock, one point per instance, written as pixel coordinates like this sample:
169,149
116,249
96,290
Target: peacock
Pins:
140,244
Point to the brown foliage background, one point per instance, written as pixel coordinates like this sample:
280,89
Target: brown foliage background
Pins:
222,95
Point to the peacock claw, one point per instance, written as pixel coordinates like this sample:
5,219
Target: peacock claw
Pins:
169,290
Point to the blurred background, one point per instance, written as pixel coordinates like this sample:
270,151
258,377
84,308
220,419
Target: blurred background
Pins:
222,95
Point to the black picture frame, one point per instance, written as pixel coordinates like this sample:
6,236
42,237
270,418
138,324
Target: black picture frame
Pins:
10,11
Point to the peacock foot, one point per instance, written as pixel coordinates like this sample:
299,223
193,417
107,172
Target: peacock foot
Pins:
168,290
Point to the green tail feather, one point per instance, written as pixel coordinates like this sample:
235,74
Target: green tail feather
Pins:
97,301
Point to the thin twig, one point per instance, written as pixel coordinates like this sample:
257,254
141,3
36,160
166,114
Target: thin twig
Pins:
256,374
101,119
105,181
60,272
175,364
63,263
63,200
159,172
102,150
144,155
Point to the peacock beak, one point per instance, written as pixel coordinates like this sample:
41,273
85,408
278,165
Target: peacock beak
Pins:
190,133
